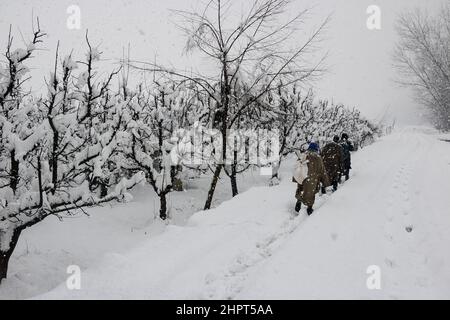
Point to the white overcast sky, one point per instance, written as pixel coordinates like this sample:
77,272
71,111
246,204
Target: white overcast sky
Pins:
360,66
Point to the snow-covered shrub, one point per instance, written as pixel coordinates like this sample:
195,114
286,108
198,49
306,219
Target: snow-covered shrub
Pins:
55,151
152,117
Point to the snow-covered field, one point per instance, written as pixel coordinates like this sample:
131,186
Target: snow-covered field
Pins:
393,214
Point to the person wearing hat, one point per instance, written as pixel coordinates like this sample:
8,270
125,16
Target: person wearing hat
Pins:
332,155
309,186
347,147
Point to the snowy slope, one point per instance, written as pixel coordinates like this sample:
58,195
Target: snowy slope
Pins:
400,183
253,247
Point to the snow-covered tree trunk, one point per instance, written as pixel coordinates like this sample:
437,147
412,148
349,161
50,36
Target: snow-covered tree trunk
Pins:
14,171
163,206
233,176
212,187
177,183
9,236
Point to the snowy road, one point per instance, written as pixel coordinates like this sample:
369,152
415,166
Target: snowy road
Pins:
393,213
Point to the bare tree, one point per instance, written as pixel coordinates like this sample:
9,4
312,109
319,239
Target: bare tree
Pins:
422,58
255,50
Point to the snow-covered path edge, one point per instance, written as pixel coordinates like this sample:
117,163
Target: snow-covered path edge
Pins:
393,215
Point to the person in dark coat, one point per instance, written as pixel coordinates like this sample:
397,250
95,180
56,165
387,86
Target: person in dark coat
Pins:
347,147
306,191
333,159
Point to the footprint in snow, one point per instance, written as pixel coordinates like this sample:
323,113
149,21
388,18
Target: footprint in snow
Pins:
390,263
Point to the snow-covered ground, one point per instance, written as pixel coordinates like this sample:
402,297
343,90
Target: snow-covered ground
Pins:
44,251
393,214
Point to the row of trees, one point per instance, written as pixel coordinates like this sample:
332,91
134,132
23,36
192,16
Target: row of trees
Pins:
300,119
87,141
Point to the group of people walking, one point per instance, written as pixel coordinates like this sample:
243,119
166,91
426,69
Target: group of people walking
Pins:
318,169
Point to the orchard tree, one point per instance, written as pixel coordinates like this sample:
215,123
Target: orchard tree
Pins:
153,116
54,149
257,49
